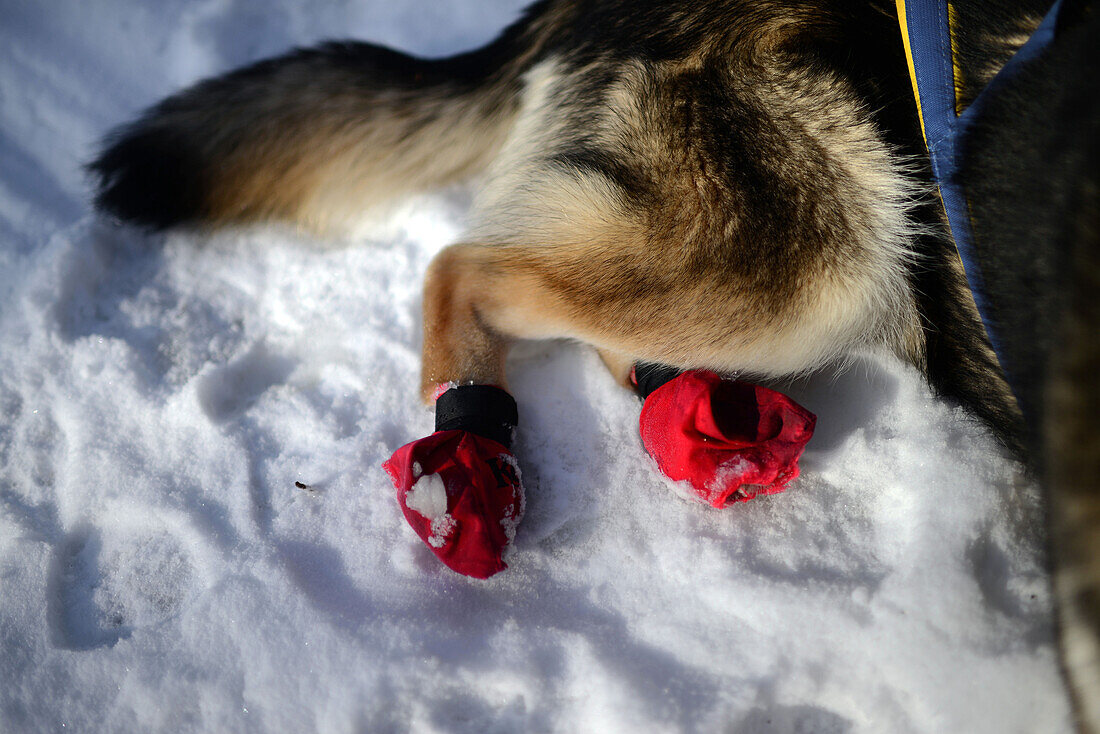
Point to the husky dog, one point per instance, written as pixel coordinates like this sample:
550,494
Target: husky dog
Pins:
723,184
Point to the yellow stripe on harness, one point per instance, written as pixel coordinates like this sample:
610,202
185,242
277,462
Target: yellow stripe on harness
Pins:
956,70
909,60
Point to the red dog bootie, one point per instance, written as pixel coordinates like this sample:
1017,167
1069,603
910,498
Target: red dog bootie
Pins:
728,440
459,488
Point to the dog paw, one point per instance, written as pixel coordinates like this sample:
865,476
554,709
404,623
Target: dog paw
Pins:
461,493
724,441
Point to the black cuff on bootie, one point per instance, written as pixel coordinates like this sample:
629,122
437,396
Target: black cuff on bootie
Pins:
649,376
482,409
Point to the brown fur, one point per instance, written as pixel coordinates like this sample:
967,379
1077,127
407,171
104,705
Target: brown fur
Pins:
629,256
315,162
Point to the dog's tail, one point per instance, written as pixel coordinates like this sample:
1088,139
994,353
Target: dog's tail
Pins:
316,136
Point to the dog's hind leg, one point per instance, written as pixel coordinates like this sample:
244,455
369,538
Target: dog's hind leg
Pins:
461,292
479,297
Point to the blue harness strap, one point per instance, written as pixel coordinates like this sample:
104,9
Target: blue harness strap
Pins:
926,32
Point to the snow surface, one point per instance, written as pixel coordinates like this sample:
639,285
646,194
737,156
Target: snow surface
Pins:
160,396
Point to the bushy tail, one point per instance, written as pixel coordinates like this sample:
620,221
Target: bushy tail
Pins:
315,136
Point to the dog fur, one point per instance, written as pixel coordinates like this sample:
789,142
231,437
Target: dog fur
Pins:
730,185
1032,176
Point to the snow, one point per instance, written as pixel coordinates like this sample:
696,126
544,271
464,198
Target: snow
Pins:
429,498
160,397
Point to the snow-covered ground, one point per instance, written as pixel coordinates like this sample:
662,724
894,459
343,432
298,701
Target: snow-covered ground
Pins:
160,397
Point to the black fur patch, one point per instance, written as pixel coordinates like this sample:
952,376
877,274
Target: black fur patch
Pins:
150,177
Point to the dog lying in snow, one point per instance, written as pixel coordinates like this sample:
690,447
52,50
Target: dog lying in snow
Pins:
695,189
